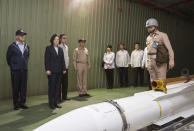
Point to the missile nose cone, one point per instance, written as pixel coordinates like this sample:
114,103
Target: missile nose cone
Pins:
76,120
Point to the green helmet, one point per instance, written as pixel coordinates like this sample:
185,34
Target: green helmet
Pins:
151,22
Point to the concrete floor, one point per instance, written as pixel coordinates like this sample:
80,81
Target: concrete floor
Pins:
39,113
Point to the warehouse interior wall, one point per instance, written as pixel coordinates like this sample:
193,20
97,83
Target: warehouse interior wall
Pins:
100,22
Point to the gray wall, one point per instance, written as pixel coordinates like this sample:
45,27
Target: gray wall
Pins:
98,21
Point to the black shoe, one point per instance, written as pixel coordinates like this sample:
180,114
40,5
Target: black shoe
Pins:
135,85
127,85
52,107
60,101
24,106
86,94
58,106
16,108
81,95
141,85
67,99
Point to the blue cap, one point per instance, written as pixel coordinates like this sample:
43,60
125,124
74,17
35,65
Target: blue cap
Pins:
20,32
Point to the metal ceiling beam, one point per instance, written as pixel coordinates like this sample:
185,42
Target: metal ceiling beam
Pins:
179,3
177,13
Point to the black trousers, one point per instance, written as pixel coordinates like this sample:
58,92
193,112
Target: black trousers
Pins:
54,81
64,86
19,86
123,76
138,73
148,79
110,77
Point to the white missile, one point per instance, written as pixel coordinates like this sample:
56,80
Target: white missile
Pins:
130,113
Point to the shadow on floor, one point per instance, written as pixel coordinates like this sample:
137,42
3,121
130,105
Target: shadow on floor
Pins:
32,115
5,111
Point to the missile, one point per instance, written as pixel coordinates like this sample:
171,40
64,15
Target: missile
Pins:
130,113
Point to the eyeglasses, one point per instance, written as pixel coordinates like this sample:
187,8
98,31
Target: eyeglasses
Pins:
64,38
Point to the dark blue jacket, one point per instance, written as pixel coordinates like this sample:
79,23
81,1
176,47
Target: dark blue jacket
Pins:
15,59
54,62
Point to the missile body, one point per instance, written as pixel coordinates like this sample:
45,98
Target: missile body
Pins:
130,113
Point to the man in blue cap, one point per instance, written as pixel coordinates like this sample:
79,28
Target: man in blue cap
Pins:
17,58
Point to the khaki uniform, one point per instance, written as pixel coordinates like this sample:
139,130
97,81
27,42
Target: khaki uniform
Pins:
81,63
158,72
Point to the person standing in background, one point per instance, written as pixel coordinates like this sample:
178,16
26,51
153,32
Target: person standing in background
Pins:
144,66
17,58
109,66
136,63
55,67
64,78
123,63
81,61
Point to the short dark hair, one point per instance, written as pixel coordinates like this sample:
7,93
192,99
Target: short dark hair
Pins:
109,46
82,40
53,38
61,36
122,44
137,43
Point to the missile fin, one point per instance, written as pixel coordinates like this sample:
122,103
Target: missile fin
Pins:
187,89
184,114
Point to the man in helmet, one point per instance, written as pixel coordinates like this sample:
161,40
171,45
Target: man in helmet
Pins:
160,56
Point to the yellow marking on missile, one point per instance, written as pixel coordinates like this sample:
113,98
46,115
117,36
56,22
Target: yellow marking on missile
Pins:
160,107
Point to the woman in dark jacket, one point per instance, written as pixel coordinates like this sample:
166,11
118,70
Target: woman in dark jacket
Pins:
55,66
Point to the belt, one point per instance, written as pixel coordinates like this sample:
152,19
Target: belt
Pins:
81,62
151,56
151,53
20,70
